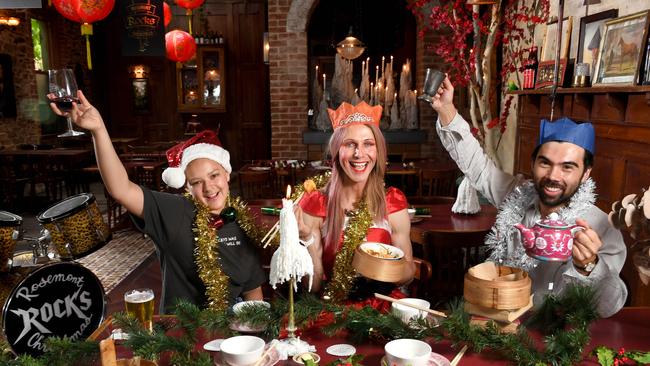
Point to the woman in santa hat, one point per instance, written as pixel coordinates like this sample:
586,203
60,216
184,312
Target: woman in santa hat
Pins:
219,268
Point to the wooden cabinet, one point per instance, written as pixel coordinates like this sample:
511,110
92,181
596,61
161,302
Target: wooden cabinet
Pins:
200,82
621,118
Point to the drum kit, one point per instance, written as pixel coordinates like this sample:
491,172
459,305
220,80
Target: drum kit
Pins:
46,293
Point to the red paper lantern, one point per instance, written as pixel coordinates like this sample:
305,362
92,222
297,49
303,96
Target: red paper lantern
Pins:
67,9
180,45
167,13
189,4
91,11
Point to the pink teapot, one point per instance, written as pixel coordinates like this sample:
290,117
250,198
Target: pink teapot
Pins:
550,239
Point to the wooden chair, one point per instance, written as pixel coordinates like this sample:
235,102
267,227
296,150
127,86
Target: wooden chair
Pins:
438,182
451,254
255,184
420,285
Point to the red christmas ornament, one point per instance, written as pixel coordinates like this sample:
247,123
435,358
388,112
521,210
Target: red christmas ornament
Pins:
180,45
167,12
67,9
189,4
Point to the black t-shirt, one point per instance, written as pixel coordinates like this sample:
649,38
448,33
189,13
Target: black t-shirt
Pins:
168,220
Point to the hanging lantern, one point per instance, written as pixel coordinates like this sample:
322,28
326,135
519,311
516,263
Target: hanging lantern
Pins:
167,13
180,45
85,12
189,5
67,9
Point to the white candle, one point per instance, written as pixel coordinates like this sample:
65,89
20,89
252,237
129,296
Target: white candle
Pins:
377,74
316,70
324,82
382,65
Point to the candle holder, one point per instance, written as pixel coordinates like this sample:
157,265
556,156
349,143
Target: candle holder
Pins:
581,76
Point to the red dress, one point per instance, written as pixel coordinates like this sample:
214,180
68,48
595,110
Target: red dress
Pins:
315,204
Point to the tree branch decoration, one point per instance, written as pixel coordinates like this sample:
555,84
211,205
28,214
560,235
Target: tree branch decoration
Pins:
470,36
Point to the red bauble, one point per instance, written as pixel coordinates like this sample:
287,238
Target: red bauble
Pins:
91,11
180,45
189,4
67,9
167,12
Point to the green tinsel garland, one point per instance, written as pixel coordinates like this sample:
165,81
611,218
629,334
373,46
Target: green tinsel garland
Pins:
565,341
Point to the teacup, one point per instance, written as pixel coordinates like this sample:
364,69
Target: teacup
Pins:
406,313
411,212
242,350
407,352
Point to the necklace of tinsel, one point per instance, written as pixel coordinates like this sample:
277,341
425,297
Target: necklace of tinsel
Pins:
206,249
343,274
501,239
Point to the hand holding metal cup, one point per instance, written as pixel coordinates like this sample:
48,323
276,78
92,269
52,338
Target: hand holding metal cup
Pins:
432,81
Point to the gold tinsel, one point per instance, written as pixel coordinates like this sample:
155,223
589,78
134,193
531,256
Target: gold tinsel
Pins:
343,273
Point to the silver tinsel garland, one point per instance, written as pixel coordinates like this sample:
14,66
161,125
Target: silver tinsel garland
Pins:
503,240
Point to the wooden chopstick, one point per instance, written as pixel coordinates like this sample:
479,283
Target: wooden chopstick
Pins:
458,356
266,353
391,299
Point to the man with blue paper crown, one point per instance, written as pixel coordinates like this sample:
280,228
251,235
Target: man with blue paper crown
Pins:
561,164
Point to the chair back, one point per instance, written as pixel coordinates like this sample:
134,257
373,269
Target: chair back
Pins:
420,284
451,254
438,182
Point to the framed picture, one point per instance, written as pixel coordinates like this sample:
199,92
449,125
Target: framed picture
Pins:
549,47
621,49
546,71
591,31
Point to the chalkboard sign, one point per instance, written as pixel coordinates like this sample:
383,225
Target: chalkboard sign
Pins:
144,31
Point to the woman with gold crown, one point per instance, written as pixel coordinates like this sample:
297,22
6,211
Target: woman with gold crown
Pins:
353,207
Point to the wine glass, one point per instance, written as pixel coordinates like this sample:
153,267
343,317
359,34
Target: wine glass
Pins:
432,81
64,88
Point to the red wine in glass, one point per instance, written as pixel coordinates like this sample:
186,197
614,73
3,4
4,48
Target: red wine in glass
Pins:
65,104
64,88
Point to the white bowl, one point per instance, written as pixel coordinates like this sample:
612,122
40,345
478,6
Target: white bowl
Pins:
406,313
403,352
242,350
391,252
240,305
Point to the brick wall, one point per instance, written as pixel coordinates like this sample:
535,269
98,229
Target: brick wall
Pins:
17,43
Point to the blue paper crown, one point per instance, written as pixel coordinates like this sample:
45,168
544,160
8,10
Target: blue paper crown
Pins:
566,130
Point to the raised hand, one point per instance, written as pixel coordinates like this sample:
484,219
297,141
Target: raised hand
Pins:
443,102
586,244
83,114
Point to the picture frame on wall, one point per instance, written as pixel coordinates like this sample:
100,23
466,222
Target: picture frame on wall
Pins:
591,31
549,46
621,49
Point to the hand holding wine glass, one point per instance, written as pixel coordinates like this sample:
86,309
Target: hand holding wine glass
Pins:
63,92
83,114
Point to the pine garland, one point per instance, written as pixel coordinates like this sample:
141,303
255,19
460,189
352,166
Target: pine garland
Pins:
564,342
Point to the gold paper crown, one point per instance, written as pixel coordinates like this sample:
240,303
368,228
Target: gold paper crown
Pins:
347,114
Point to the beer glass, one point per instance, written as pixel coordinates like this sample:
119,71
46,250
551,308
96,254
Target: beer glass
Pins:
140,304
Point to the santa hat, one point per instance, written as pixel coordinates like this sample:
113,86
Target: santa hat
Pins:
347,114
205,144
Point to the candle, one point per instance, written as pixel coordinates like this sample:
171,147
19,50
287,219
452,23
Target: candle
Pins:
382,65
316,70
377,73
288,195
324,82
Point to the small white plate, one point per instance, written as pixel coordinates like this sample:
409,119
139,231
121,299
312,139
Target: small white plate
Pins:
214,345
341,350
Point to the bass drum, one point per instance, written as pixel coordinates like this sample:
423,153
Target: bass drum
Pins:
10,226
76,225
61,299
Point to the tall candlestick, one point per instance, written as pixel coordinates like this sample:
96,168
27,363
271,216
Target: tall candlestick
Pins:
382,65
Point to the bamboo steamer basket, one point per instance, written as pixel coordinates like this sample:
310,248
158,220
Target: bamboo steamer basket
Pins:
497,287
369,266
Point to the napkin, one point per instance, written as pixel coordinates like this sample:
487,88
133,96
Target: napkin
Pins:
467,199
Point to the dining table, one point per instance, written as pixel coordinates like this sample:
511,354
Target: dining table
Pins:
441,219
629,329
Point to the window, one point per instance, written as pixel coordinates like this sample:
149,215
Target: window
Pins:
41,46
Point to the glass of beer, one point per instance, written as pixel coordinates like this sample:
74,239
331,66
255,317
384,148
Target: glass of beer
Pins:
139,303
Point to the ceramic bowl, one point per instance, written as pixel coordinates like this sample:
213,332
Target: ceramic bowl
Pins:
406,313
407,352
240,305
242,350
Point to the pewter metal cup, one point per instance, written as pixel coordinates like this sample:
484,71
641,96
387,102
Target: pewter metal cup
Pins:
432,81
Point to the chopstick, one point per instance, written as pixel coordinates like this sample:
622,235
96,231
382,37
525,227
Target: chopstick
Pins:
266,353
266,240
391,299
458,356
